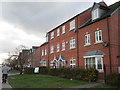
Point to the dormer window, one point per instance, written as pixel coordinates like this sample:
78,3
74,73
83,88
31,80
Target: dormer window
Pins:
98,10
95,14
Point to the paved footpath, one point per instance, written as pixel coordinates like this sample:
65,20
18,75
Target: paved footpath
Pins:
7,85
89,85
84,86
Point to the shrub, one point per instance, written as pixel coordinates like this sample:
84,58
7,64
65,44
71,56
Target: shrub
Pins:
43,70
113,79
91,74
66,73
28,70
79,74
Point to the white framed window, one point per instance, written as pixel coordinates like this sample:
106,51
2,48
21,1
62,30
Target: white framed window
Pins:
63,46
63,29
72,63
58,32
45,52
95,14
87,39
43,63
52,35
51,64
42,52
58,47
94,62
72,43
72,24
52,49
98,36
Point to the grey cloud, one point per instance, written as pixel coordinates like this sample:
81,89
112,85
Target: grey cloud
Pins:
40,17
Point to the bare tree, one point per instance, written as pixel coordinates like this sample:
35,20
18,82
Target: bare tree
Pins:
12,60
22,53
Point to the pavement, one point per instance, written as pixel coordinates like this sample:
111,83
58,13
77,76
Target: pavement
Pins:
89,85
7,85
84,86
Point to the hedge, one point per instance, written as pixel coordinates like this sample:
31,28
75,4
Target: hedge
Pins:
113,79
76,73
28,70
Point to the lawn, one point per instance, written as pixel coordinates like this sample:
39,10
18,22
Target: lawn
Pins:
14,71
42,81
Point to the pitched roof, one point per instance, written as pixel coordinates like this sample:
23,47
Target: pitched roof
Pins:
55,58
44,44
100,6
112,8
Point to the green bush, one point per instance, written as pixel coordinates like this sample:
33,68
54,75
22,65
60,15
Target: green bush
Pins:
91,74
28,70
79,74
113,79
43,70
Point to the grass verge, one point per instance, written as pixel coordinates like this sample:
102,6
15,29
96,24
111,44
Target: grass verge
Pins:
14,71
42,81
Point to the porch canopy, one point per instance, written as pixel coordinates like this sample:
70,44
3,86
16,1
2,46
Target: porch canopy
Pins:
55,59
94,53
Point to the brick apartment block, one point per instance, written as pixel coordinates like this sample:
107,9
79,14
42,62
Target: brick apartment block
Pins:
89,39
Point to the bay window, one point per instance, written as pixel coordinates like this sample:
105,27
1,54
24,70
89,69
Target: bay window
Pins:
94,62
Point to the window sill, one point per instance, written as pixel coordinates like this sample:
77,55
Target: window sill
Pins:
100,71
72,48
98,42
71,29
62,50
63,33
51,38
87,45
51,53
57,36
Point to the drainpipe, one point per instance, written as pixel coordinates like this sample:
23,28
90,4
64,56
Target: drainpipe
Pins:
109,45
48,51
77,41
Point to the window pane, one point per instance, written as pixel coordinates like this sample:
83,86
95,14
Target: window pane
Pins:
58,32
99,63
72,24
63,29
100,35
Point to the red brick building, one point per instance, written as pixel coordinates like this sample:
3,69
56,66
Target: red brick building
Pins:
44,53
89,39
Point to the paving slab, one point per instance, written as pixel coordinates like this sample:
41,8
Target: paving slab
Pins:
6,85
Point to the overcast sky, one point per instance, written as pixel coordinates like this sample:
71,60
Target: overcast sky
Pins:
26,23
